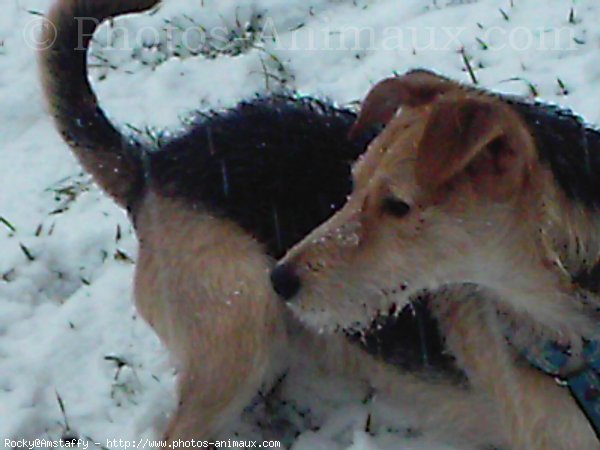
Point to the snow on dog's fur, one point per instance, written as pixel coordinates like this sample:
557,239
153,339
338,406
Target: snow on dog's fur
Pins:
467,188
212,209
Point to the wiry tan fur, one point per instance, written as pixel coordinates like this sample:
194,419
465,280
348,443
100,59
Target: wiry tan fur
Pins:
484,211
202,282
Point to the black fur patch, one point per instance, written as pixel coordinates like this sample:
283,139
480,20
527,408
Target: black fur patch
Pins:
410,340
569,146
276,166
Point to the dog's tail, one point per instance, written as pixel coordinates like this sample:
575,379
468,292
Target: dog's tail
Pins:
113,159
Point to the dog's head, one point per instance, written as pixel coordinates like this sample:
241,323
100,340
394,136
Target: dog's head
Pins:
440,197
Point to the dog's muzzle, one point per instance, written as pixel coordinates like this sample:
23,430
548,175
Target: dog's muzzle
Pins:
285,281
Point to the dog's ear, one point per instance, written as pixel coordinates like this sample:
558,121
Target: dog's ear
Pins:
415,88
479,137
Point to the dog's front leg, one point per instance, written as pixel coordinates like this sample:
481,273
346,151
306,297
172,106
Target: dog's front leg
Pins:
443,408
535,412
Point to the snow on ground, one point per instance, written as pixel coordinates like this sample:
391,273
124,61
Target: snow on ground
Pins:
68,328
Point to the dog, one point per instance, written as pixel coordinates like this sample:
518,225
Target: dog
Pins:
213,208
492,195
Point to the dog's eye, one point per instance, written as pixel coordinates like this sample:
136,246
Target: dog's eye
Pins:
395,207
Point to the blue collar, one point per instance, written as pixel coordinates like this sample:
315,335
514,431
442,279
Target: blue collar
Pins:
583,383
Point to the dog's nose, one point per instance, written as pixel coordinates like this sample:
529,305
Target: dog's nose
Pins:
285,281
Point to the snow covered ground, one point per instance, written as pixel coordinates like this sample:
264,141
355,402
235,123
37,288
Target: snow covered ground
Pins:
72,351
